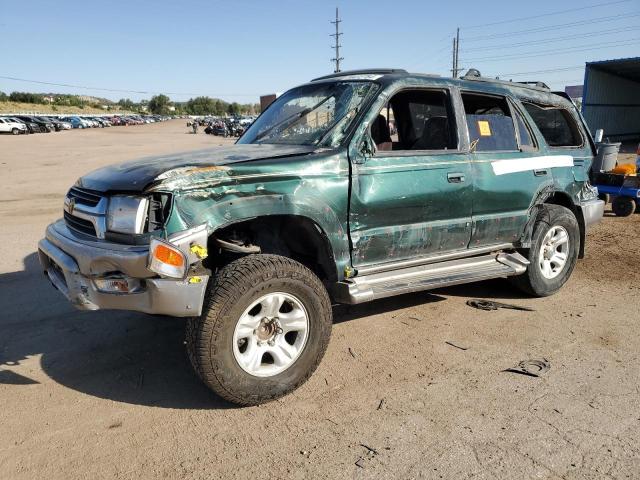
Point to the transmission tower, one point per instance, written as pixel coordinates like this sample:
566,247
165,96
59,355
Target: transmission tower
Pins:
337,59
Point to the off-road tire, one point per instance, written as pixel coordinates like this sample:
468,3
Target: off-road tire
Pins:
533,282
605,197
623,206
209,337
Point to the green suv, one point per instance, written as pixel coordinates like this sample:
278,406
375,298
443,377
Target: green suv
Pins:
356,186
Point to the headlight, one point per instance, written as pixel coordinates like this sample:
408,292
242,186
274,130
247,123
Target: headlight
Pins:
127,214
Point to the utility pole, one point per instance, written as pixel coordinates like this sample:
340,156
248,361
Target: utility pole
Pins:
453,59
457,52
337,45
455,67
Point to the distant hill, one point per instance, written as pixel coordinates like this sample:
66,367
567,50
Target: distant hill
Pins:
89,99
40,108
82,98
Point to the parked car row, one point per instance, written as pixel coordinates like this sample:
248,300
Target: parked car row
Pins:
226,127
24,124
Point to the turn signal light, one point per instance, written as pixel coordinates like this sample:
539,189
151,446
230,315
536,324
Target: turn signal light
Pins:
167,260
168,255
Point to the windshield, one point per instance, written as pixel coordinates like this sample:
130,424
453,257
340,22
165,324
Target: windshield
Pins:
317,114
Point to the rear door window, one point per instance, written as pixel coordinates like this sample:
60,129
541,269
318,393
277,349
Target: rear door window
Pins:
490,124
556,125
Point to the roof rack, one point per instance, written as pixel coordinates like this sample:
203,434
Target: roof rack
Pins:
366,71
536,84
475,75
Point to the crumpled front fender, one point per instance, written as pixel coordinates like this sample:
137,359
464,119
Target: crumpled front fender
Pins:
223,196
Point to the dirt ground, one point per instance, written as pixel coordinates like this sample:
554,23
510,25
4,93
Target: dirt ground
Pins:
93,395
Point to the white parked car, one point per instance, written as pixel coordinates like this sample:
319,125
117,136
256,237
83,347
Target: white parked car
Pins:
10,126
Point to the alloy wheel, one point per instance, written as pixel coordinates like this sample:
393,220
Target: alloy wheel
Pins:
554,252
271,334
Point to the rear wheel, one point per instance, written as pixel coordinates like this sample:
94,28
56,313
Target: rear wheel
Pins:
604,197
265,327
623,206
553,254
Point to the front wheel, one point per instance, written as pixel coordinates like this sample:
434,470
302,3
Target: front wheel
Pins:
265,326
15,131
553,254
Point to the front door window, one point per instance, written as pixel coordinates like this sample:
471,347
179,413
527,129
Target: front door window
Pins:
415,120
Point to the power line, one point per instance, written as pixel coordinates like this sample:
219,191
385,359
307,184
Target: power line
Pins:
550,70
551,40
571,80
337,45
554,27
540,53
559,12
542,29
143,92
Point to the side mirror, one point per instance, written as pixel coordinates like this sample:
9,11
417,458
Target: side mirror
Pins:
599,135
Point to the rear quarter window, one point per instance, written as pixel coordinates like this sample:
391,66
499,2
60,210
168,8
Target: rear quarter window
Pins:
557,125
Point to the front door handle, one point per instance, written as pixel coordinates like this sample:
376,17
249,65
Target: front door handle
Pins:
455,177
539,173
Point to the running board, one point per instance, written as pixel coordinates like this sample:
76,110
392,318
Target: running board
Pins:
426,277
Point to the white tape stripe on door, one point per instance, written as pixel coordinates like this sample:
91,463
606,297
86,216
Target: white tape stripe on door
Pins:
513,165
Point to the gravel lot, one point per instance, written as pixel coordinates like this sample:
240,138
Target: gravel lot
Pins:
111,394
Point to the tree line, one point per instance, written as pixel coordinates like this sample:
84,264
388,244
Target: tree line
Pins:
158,104
201,106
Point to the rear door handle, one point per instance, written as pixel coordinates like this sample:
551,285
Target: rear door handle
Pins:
455,177
539,173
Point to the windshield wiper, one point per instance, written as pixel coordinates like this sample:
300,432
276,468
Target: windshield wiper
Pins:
292,119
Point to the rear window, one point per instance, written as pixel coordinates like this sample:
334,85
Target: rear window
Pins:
557,126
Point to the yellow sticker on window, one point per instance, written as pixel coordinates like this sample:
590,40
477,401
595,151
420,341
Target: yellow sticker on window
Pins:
484,128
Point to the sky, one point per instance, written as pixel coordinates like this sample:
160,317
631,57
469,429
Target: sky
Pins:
239,49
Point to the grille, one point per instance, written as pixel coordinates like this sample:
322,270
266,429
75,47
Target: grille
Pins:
79,224
84,197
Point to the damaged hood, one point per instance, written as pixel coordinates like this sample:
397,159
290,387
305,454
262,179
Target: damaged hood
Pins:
135,176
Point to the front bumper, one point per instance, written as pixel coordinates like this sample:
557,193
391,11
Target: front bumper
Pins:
73,262
592,211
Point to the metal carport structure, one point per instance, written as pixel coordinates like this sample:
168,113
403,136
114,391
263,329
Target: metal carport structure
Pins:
611,98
